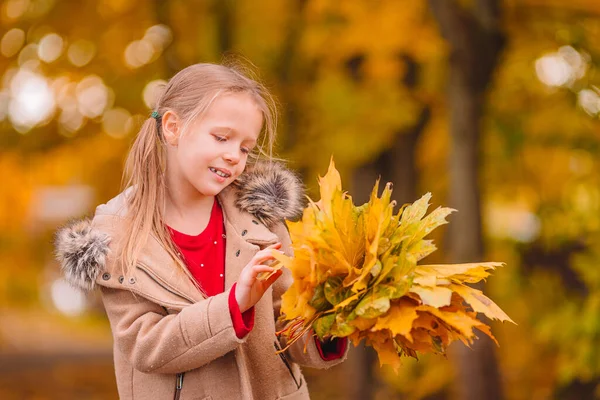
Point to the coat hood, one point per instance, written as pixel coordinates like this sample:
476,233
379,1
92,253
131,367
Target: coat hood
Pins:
267,190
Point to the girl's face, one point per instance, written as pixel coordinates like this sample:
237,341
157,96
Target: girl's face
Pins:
214,150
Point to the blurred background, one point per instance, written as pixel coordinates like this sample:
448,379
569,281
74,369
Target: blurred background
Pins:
490,105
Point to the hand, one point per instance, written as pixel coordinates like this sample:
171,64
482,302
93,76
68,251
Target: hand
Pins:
249,289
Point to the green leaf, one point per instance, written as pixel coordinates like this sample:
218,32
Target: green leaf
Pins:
318,301
335,292
341,328
394,290
322,326
373,305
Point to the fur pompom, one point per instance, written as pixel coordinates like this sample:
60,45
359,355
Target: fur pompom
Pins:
270,192
81,252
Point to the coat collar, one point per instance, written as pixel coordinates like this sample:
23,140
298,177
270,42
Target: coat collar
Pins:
267,193
241,223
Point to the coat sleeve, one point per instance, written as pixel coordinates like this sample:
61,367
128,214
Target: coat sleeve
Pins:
311,357
154,341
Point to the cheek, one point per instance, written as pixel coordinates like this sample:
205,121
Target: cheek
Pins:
190,163
185,157
240,168
193,152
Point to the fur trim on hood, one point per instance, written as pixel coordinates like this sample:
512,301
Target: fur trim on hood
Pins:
81,252
267,190
271,193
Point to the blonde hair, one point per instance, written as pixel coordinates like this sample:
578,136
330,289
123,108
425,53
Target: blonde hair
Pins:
188,94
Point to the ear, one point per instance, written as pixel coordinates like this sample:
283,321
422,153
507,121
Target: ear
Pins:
171,127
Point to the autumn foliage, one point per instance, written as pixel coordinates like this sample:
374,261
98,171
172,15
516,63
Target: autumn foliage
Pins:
357,274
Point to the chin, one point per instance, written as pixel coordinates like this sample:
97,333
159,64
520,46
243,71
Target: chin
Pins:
212,190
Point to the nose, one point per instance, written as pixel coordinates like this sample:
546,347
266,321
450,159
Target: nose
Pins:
232,157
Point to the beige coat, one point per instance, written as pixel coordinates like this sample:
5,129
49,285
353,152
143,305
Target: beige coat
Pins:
169,341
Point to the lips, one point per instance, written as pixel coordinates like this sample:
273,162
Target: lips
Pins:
223,173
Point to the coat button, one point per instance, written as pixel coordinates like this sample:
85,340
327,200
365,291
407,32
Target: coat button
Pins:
132,280
121,279
106,276
244,232
237,253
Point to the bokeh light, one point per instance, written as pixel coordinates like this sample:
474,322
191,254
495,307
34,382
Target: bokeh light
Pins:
561,68
512,222
92,96
50,47
159,36
115,122
29,53
589,100
152,91
31,100
15,9
81,52
66,299
138,53
141,52
12,41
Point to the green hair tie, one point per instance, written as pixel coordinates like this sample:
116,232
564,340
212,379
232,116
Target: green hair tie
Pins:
155,115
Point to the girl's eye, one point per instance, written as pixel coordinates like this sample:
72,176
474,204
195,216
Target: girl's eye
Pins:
219,138
245,150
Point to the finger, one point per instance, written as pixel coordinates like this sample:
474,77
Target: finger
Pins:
268,249
260,258
263,255
257,269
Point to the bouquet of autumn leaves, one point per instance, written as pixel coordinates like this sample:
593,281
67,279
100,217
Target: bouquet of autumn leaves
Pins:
356,275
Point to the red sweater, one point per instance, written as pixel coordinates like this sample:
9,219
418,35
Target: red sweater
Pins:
204,255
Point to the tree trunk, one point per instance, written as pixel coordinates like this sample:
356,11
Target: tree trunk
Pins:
397,165
291,74
224,15
475,45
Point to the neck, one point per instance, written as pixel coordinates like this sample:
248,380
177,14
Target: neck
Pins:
186,210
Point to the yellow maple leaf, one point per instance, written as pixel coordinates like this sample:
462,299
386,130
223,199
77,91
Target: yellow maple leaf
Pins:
436,296
399,319
363,323
475,270
386,350
331,185
480,302
460,321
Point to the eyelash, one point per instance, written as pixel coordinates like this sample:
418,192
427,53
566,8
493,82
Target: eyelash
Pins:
223,139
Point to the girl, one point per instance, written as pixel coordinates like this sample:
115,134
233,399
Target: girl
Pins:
177,254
